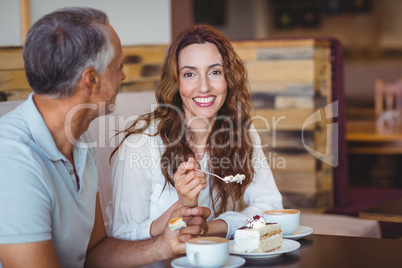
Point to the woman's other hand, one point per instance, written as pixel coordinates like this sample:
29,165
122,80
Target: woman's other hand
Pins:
197,224
189,183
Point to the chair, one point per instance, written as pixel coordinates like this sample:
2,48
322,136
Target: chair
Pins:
8,106
129,105
388,105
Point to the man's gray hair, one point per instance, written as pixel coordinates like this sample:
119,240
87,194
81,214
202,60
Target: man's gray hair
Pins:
61,45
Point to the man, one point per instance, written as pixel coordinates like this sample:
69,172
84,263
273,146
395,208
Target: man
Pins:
49,206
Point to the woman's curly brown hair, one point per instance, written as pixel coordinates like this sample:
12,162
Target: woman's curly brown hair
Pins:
229,139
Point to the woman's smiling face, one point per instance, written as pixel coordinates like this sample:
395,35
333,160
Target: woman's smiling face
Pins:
203,87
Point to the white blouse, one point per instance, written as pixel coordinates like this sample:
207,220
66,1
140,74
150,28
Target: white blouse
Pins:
139,197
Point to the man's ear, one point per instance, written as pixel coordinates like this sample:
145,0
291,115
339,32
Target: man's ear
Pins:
90,79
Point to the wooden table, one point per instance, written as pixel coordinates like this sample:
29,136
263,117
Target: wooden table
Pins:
374,156
364,137
389,212
332,251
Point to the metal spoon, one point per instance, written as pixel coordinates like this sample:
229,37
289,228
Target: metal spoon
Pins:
213,175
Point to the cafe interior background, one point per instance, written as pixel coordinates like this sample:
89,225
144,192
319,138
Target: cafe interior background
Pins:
315,61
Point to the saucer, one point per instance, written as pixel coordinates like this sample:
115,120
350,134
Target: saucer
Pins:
301,232
232,262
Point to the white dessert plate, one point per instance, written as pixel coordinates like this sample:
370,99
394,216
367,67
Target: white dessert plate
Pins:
287,246
301,232
232,262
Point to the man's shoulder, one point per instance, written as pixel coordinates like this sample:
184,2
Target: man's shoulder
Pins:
14,126
16,139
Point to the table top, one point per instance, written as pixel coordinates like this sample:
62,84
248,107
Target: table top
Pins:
367,131
389,212
331,251
365,137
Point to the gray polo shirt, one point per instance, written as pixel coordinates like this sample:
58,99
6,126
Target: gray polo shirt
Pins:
39,197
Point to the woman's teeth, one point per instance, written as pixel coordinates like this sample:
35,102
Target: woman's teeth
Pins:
204,100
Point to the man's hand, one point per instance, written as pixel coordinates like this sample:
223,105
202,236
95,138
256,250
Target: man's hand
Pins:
189,183
196,223
195,219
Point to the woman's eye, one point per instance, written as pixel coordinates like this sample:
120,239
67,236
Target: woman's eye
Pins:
188,74
216,72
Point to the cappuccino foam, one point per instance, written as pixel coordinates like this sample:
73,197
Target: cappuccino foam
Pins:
207,240
281,212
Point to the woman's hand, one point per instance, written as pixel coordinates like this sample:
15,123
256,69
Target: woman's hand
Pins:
189,183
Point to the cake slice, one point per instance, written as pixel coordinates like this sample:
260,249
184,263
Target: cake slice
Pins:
177,224
257,236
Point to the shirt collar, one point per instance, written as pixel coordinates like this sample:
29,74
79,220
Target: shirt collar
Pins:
40,132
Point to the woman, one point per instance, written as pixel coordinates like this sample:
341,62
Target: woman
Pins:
202,122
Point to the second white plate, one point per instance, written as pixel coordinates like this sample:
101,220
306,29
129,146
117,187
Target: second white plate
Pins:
301,232
287,246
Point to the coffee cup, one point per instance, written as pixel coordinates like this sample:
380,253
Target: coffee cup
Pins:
288,219
207,251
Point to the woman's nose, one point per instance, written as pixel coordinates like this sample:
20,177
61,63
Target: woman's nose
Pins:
204,84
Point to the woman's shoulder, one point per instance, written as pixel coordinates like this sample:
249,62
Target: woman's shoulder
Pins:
254,134
149,134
